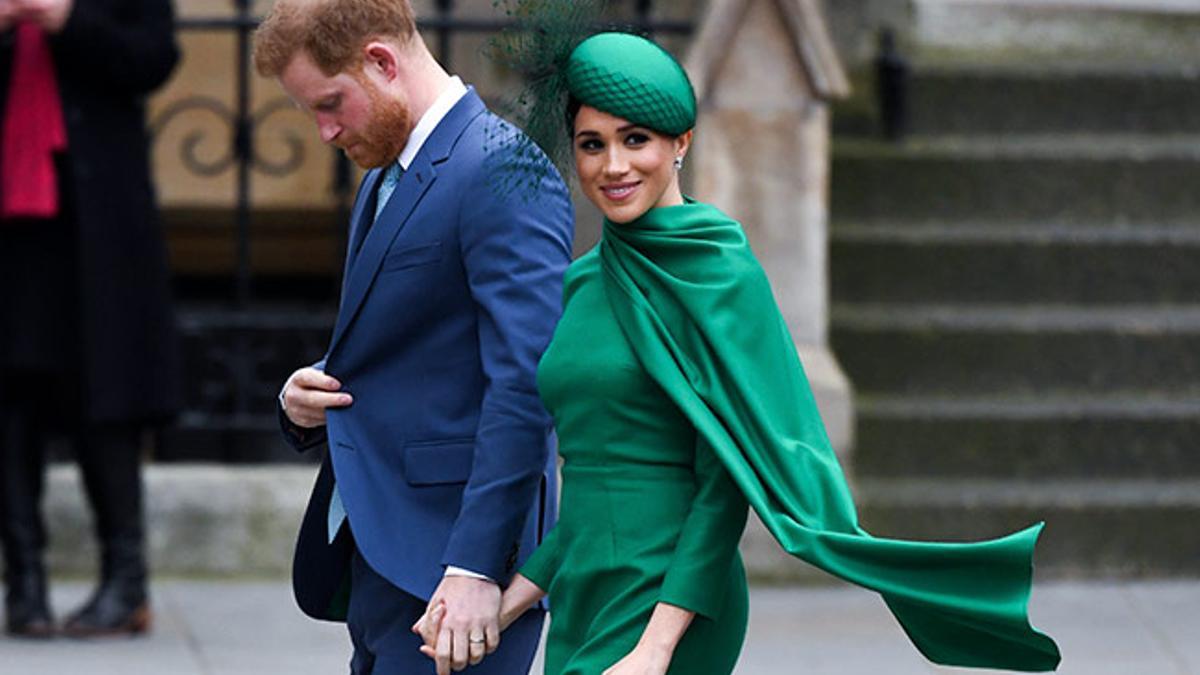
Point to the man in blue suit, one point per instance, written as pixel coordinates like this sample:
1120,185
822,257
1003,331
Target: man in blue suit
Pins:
439,479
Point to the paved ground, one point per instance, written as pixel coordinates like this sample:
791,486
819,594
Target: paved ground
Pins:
244,628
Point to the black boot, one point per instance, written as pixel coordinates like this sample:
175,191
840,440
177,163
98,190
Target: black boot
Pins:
22,533
28,613
110,460
120,604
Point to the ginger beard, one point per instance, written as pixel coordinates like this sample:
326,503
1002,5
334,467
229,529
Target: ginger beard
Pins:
382,139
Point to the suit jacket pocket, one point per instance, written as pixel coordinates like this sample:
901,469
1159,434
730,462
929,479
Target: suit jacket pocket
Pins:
412,256
438,462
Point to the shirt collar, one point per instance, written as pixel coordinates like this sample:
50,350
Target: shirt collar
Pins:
450,96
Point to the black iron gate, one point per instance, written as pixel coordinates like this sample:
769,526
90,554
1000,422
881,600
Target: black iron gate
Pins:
240,339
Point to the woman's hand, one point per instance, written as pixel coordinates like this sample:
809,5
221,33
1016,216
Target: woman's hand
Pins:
652,655
643,660
428,627
520,595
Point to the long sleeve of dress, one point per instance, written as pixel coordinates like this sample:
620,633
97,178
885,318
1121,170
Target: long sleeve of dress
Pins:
542,565
709,540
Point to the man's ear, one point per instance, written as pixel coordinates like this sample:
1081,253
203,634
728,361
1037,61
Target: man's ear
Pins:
382,59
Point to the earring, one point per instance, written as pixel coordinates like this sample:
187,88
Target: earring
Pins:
679,163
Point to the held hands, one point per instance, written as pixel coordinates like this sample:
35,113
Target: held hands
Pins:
651,656
308,393
462,623
520,595
49,15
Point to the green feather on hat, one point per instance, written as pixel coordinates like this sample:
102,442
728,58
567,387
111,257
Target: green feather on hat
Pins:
554,48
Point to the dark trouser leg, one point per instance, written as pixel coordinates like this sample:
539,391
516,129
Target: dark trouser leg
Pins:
110,460
22,532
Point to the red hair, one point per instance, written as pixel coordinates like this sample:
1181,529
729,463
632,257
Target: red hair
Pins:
332,32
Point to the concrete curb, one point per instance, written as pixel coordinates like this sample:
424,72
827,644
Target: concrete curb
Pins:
222,521
202,519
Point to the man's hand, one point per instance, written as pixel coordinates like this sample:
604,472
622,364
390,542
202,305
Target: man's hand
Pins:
50,15
462,624
308,393
520,595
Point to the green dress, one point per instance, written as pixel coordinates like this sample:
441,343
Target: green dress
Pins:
675,305
648,512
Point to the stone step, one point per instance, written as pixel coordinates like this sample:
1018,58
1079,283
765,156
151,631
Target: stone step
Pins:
1017,179
1033,438
991,100
988,99
1012,263
965,350
1127,528
1109,31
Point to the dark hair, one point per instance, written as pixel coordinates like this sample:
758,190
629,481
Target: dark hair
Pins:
573,106
572,111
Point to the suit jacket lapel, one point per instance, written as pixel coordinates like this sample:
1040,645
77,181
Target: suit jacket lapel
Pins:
363,266
361,216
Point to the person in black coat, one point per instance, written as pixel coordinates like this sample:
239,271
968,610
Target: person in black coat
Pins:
87,339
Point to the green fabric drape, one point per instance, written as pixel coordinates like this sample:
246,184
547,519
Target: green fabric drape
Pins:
698,310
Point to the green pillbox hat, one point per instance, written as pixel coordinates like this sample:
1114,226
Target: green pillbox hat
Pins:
633,78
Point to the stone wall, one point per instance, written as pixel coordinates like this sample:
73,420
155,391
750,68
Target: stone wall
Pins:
764,77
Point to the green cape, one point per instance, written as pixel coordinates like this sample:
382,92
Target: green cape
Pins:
698,310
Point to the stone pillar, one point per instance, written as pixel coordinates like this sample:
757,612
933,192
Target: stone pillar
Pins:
764,72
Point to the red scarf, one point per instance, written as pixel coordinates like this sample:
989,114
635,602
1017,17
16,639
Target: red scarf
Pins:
33,130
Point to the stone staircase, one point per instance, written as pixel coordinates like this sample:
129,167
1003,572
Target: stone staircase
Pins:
1016,297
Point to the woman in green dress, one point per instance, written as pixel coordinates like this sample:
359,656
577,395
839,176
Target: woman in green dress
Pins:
679,401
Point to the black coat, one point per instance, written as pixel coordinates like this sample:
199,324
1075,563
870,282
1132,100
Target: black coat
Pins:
108,57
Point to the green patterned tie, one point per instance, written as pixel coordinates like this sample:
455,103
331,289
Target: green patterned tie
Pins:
390,178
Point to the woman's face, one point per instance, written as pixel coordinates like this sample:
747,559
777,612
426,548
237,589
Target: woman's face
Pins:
625,169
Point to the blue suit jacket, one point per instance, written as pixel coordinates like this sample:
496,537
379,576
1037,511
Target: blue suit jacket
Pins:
449,300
